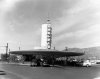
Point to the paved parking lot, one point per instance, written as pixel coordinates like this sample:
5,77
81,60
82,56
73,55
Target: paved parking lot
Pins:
14,71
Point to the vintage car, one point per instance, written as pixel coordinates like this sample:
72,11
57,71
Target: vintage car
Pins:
85,63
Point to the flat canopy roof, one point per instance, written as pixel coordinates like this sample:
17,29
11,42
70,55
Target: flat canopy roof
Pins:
46,52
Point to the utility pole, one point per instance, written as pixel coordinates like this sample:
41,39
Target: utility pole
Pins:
6,51
9,52
19,48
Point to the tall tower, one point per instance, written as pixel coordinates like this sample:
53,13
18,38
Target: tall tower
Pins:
46,37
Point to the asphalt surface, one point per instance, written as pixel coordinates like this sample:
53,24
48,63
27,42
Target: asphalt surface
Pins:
14,71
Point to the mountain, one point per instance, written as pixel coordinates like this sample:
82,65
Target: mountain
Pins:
91,52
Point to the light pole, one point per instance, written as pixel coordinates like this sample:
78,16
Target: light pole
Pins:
6,51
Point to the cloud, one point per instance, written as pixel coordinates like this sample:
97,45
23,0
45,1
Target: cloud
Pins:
24,21
79,25
97,78
7,5
75,23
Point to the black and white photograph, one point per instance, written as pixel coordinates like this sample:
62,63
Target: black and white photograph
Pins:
49,39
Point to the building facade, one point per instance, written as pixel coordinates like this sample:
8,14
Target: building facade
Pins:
46,36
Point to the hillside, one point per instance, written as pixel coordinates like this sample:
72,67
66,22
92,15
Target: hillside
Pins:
90,52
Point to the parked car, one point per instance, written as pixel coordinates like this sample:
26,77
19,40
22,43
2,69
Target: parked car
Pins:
33,64
45,64
86,63
98,61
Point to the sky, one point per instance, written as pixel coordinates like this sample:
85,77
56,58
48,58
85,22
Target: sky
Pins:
75,23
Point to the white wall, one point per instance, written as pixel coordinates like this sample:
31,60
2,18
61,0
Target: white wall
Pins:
44,36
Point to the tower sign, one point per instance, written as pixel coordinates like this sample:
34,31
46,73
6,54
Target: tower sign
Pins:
46,37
